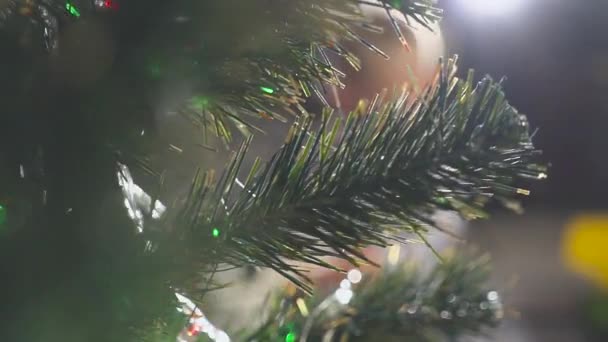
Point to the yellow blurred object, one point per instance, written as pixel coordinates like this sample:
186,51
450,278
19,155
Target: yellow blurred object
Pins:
586,247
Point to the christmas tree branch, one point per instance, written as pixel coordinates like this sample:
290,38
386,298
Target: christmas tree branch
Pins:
240,59
381,173
403,303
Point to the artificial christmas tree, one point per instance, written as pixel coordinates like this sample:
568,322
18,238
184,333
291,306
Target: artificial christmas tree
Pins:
94,247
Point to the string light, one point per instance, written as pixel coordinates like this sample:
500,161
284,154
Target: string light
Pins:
193,331
291,337
72,9
106,4
215,232
267,90
110,4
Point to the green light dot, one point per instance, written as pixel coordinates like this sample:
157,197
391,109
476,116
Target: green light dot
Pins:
199,102
291,337
215,232
155,70
2,214
267,90
441,200
396,4
73,10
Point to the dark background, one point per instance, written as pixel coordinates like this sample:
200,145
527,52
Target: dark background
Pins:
555,54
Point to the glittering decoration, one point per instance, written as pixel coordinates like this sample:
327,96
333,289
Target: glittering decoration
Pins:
50,27
198,323
138,203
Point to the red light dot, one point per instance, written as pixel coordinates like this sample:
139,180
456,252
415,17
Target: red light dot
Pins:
110,4
192,331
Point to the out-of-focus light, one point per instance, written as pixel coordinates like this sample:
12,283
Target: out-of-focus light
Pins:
492,7
345,284
354,276
198,322
344,296
394,254
212,333
222,337
302,306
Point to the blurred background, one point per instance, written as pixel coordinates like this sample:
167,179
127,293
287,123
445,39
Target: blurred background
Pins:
551,261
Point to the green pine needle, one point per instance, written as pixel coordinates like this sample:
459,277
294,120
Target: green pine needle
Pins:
383,173
402,304
256,48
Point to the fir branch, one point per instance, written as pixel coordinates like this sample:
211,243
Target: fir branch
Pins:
287,63
422,11
381,173
449,302
241,59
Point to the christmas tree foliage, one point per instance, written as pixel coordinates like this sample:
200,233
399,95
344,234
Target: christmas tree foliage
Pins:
402,304
89,254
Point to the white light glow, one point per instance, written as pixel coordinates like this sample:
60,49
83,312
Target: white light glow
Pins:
492,7
354,276
344,296
212,333
222,337
136,200
345,284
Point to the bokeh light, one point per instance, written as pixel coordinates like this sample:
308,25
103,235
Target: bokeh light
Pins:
492,7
